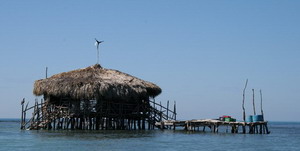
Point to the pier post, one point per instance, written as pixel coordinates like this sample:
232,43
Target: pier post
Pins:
22,116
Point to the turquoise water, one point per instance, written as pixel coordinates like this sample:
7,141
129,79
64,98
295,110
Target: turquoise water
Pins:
284,136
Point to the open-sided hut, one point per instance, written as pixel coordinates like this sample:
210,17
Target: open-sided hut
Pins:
95,98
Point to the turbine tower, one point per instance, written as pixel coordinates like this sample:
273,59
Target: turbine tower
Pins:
97,43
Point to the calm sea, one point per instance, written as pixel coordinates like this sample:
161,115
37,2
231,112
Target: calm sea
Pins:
284,136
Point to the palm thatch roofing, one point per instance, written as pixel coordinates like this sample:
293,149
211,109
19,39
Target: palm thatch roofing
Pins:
95,82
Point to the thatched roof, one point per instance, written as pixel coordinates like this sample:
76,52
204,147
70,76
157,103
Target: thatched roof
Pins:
96,82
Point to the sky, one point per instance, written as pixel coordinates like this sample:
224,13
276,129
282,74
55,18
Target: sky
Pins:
200,52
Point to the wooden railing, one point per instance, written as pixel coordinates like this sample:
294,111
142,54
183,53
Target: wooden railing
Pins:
160,113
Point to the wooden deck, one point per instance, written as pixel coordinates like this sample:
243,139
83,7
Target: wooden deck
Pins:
215,125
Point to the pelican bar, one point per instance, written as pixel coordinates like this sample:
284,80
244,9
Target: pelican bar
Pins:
95,98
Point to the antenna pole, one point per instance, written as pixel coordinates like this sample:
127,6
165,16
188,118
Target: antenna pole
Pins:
98,54
46,72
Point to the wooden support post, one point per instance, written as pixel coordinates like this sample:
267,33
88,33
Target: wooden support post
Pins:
54,122
90,123
214,128
134,124
162,125
22,116
42,112
128,124
81,123
139,123
72,123
167,113
174,126
154,112
256,129
97,122
266,126
38,115
260,128
143,118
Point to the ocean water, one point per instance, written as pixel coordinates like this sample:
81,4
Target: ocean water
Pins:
284,136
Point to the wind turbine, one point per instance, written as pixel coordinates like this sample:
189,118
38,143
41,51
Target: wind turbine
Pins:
97,44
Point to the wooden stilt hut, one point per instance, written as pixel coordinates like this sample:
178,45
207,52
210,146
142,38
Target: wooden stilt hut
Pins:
95,98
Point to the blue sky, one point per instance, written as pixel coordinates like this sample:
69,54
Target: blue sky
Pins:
199,52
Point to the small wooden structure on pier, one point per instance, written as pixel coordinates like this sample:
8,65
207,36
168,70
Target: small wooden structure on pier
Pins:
214,125
95,98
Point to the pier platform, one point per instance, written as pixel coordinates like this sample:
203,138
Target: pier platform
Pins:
215,125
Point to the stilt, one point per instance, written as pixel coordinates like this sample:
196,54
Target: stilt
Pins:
22,116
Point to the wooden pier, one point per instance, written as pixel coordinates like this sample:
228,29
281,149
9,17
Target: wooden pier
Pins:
156,116
214,126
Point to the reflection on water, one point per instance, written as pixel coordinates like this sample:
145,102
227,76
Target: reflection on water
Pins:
98,135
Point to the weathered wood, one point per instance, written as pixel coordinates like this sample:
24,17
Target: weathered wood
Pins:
253,102
243,104
22,116
261,105
174,110
65,114
214,125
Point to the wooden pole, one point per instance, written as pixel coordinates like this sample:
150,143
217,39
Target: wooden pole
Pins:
243,106
261,105
22,115
160,112
168,110
253,103
37,114
175,110
154,111
24,118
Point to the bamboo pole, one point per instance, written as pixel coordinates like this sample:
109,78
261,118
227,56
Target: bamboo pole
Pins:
22,116
160,116
175,110
261,105
243,106
253,102
38,115
168,110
